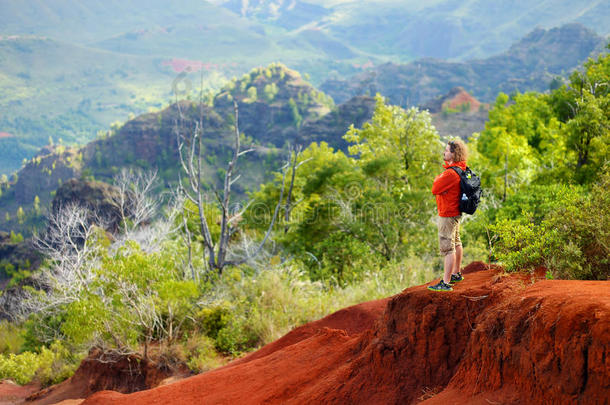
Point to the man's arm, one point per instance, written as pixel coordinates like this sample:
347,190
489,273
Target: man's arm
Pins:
443,182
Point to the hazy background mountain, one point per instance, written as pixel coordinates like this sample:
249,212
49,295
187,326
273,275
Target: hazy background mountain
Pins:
403,30
528,65
69,69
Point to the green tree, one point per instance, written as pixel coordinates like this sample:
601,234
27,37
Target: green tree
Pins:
252,96
399,147
37,205
20,215
519,142
270,91
588,116
294,110
355,212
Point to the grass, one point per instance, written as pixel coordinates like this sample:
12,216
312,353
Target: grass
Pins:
272,302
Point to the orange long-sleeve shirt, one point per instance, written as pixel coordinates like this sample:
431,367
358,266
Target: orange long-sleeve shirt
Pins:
446,188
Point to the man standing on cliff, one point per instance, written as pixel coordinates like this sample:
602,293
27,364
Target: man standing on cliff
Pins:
446,188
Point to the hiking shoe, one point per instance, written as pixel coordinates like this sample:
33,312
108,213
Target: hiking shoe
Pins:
441,286
455,278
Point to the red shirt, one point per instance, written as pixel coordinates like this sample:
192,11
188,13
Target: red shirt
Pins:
446,188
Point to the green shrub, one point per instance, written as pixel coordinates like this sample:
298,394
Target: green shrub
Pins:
525,246
20,368
11,338
201,354
237,336
48,366
213,319
572,240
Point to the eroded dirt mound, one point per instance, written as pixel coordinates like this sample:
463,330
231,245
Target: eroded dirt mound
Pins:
12,393
98,372
495,339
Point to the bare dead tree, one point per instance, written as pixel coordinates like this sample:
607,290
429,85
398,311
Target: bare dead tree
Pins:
69,244
135,201
186,235
295,164
190,149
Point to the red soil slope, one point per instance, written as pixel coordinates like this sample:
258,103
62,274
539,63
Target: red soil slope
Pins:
11,393
494,339
126,373
460,98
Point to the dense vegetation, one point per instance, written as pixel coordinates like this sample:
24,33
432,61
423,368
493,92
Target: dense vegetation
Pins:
357,227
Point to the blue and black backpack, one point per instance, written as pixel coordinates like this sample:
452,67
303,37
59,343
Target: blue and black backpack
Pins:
470,186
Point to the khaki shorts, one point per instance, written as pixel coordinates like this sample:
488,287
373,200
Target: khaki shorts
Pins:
449,234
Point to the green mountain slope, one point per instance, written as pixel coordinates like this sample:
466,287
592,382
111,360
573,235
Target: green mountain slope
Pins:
277,107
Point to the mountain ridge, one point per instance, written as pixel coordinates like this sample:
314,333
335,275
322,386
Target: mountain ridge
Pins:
528,65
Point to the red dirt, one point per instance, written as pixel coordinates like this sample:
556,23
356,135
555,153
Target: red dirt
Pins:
497,338
11,393
125,373
462,98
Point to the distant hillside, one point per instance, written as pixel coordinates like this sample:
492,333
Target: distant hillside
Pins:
381,29
72,101
287,14
332,126
403,30
96,21
277,107
530,64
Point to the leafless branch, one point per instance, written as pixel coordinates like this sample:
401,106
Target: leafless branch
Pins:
216,251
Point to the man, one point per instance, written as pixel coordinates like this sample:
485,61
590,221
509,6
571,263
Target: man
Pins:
446,188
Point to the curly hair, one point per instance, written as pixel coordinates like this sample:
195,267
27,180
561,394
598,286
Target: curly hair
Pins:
459,150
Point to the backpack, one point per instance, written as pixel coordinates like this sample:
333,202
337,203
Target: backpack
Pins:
470,186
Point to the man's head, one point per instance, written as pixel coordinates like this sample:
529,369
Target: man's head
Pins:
455,151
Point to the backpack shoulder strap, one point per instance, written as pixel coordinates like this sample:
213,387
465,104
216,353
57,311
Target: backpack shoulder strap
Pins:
458,170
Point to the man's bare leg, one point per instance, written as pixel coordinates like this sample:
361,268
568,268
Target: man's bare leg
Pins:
449,262
458,259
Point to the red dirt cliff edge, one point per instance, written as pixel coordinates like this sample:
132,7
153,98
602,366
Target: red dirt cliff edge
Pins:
497,338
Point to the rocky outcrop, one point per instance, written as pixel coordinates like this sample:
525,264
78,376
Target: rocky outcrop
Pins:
457,113
95,195
45,172
457,100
